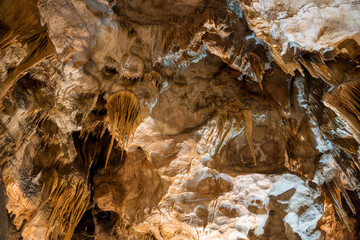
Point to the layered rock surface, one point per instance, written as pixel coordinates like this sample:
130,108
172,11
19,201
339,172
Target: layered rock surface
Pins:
225,119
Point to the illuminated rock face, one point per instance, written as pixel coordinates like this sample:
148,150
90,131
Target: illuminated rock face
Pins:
225,119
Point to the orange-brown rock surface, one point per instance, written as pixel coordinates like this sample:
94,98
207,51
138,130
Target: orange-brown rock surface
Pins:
183,119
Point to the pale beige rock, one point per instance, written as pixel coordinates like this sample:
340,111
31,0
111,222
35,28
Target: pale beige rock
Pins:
201,72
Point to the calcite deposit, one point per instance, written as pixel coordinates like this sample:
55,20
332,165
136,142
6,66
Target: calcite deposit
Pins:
181,119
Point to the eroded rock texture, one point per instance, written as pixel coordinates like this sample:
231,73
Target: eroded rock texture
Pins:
197,119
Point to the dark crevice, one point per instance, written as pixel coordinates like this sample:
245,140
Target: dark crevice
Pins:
356,201
106,220
86,227
3,211
109,71
91,157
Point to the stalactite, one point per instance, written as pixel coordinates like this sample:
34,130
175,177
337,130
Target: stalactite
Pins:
248,122
212,48
234,114
67,200
334,195
345,101
344,193
40,48
68,206
344,165
348,144
317,67
22,25
258,67
123,116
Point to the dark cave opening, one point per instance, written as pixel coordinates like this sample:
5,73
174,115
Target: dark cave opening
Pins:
106,220
356,201
86,227
92,151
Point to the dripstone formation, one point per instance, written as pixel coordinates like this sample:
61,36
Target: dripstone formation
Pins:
179,119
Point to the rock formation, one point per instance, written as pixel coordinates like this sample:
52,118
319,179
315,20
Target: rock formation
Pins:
197,119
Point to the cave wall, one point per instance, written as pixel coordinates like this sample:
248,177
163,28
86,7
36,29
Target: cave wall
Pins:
159,119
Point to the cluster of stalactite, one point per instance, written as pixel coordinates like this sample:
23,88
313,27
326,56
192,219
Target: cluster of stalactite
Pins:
68,198
345,101
229,120
22,26
123,114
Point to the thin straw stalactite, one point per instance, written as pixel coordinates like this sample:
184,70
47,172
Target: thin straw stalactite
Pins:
123,115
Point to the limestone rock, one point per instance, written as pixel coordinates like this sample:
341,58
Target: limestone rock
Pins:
294,206
196,119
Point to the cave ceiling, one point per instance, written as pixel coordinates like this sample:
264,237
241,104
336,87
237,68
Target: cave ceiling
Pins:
182,119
